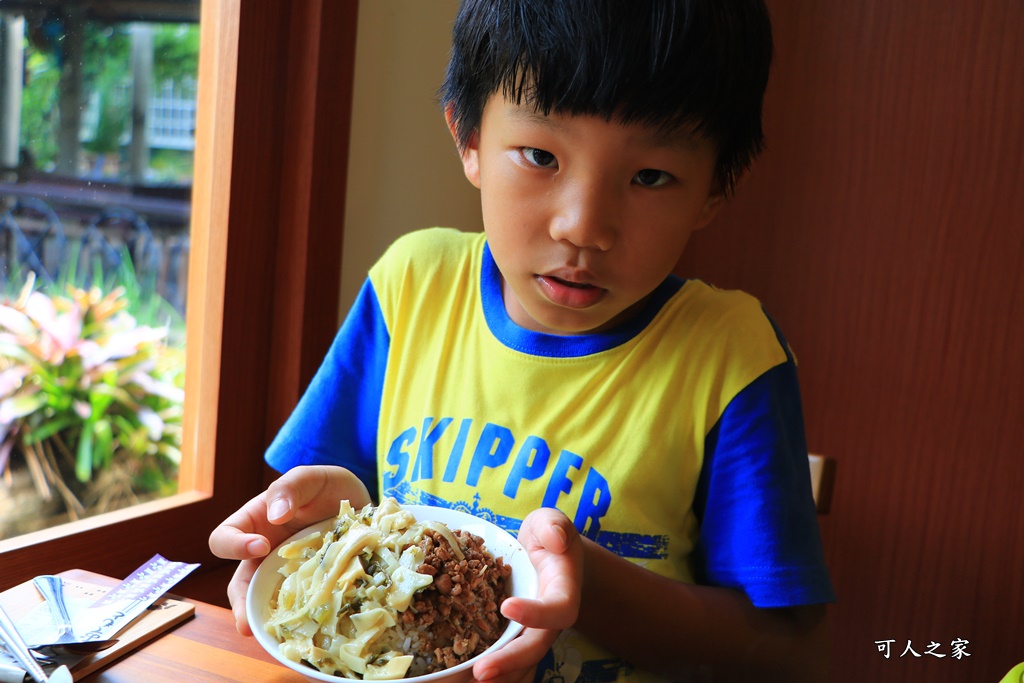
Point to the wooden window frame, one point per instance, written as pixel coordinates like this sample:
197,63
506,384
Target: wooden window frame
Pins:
275,90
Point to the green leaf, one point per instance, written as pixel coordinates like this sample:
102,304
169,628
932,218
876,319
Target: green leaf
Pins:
102,395
103,452
123,426
138,441
48,429
100,399
170,452
48,382
83,459
21,405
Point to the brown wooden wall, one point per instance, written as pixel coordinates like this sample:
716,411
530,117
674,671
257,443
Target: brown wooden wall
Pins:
884,230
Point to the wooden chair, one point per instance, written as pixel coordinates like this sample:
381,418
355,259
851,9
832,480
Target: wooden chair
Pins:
823,476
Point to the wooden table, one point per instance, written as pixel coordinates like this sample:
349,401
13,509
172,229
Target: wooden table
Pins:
205,648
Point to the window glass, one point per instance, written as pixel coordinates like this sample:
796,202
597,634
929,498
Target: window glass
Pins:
97,135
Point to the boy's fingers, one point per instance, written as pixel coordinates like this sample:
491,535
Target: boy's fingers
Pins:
553,537
238,537
550,613
294,490
547,529
305,495
233,544
523,653
302,496
556,553
247,534
237,589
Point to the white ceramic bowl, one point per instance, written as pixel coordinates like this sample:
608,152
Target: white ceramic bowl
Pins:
523,583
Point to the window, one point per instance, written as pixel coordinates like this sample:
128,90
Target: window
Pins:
271,143
96,142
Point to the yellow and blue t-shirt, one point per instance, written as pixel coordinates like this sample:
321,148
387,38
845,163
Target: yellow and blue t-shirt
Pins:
675,440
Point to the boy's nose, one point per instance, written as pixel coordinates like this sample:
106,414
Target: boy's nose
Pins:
586,218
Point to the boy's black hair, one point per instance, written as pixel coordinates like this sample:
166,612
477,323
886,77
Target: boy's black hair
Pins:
663,63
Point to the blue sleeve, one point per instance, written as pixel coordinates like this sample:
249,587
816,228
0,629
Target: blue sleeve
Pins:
758,526
335,422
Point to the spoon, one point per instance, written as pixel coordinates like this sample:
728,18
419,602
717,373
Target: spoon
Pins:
83,647
17,648
52,589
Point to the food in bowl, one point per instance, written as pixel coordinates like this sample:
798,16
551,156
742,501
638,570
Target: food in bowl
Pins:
379,595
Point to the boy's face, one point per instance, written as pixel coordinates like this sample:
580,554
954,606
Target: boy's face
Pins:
585,217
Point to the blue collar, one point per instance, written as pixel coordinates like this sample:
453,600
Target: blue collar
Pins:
562,346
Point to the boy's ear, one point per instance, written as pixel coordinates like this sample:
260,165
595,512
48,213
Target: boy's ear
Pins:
716,200
470,154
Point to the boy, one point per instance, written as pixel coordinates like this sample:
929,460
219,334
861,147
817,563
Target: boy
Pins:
642,433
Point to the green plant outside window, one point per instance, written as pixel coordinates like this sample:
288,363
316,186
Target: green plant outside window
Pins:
92,390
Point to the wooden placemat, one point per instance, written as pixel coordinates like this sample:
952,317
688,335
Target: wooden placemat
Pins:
163,614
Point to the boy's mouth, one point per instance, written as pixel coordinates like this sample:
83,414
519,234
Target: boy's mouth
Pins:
569,283
570,293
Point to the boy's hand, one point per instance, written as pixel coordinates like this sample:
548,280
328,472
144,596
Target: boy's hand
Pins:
302,496
556,551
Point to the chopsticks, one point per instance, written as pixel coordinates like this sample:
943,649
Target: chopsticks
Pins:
14,643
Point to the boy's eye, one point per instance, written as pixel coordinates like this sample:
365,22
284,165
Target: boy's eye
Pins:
650,177
539,157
